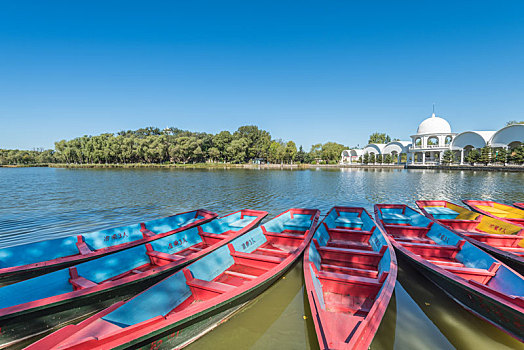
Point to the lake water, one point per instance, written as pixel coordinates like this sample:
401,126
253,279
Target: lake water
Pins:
42,203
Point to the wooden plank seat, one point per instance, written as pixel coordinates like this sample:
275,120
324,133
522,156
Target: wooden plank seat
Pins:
83,249
446,263
258,257
349,284
337,307
205,286
480,275
348,245
330,255
145,232
194,249
434,250
402,239
349,234
349,270
239,274
164,256
79,282
408,231
273,252
212,238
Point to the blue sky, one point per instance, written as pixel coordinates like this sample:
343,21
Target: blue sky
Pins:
309,71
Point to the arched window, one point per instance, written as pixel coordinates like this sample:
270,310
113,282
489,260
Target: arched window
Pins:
448,139
418,141
433,141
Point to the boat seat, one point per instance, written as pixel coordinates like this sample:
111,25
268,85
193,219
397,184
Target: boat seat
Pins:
395,218
258,257
413,240
348,245
240,223
83,249
435,250
212,286
79,282
300,224
446,263
213,235
349,270
349,221
239,274
146,232
164,256
376,282
440,213
408,231
351,251
480,275
491,237
280,253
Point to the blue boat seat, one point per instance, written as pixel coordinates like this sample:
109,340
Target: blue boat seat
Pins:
158,300
441,213
298,224
395,218
351,221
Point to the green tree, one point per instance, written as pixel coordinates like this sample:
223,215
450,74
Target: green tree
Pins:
513,122
372,158
290,151
473,156
485,155
301,156
379,158
365,158
388,159
331,151
501,155
316,152
377,137
448,157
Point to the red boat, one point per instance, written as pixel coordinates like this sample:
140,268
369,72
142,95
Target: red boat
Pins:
33,259
502,239
37,304
469,275
179,308
498,211
350,271
519,205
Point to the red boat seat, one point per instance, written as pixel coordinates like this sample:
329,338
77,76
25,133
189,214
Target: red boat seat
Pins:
164,256
495,239
408,231
79,282
434,250
479,275
350,270
258,257
205,289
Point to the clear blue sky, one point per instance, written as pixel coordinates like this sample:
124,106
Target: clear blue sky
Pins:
309,71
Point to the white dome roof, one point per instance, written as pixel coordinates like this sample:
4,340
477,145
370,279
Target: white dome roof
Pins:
434,125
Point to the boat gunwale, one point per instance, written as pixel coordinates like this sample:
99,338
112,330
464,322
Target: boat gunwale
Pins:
469,203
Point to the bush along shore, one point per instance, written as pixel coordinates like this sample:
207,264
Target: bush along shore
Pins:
153,146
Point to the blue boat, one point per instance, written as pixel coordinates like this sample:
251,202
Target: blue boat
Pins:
177,309
33,259
35,305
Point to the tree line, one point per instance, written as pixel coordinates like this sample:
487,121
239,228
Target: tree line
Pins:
152,145
487,155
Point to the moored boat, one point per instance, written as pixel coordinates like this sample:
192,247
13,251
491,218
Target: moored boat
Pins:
519,205
498,211
502,239
350,271
469,275
33,259
174,310
35,305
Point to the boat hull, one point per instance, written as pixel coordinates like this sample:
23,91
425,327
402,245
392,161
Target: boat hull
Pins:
485,307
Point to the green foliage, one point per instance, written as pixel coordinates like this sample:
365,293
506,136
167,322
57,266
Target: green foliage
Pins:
388,159
379,138
513,122
448,157
517,155
501,155
485,155
372,158
331,151
379,158
473,156
365,159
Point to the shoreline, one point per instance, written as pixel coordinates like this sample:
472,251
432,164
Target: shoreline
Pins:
492,168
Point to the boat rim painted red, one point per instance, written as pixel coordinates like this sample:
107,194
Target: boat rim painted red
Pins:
363,336
519,205
471,203
100,288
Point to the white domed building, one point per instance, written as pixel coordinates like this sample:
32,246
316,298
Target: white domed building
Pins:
432,139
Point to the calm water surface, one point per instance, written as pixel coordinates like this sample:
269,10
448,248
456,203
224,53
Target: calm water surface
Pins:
42,203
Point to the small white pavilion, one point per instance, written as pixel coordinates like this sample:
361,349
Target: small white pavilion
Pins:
432,139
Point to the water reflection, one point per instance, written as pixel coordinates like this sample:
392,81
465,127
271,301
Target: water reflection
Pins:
41,203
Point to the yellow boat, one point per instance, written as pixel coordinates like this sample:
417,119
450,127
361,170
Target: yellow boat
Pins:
498,211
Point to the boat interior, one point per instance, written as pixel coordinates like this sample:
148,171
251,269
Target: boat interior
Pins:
171,249
499,210
497,233
256,254
445,249
349,263
519,205
84,244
